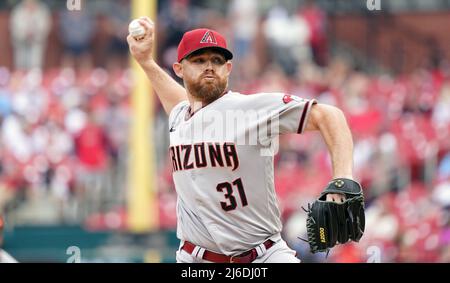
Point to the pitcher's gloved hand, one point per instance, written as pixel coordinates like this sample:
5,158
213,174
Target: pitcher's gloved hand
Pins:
330,222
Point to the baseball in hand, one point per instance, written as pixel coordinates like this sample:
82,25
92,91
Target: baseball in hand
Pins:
136,29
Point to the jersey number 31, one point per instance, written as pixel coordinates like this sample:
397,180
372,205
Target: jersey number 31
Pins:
231,203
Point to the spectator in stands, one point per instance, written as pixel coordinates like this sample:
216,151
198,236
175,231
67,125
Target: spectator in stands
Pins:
91,147
76,41
244,18
441,115
316,20
119,18
5,93
174,19
288,39
30,25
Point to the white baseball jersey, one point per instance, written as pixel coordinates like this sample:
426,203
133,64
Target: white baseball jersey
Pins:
222,160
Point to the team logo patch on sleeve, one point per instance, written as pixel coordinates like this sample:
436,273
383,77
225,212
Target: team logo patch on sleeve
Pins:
288,98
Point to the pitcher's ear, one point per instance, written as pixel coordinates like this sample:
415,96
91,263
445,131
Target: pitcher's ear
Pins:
229,66
178,69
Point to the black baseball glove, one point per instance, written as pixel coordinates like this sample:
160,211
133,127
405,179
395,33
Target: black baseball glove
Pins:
330,223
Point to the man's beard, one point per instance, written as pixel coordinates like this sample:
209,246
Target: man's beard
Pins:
207,92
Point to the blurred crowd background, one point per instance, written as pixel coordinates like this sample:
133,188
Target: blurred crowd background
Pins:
65,84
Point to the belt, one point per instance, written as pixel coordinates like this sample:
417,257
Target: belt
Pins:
246,257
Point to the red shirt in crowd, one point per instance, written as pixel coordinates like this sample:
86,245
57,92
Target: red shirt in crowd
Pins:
91,147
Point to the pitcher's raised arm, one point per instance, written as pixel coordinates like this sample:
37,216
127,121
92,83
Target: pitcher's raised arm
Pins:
169,92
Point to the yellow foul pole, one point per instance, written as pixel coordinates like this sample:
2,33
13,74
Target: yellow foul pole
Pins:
142,202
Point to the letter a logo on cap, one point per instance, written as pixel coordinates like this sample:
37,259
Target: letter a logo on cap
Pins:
209,38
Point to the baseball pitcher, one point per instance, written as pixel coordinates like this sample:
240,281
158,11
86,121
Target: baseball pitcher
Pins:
221,149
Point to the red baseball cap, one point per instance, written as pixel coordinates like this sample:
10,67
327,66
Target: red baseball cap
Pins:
197,39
